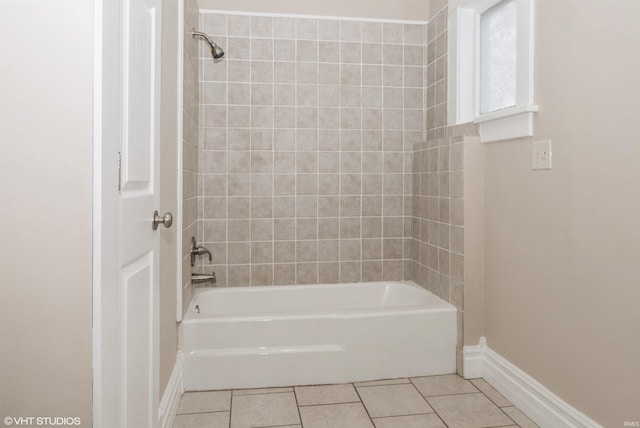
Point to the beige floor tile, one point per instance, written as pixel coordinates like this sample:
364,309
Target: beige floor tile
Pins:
349,415
208,401
260,391
413,421
468,411
326,394
264,410
199,420
443,385
382,382
393,400
491,392
519,417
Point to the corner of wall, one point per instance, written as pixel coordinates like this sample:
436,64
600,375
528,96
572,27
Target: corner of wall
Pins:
473,240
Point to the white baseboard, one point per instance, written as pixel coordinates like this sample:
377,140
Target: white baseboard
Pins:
472,359
534,399
171,397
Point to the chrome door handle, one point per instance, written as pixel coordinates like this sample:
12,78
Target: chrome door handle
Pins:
166,220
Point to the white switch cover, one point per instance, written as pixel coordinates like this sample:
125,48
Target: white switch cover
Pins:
541,155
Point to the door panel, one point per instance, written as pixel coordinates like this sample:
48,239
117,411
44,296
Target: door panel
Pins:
139,86
139,91
138,310
139,198
128,94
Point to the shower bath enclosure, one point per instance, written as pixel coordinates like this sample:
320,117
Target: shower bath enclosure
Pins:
301,149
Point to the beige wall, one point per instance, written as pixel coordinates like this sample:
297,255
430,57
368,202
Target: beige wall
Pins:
380,9
474,238
46,208
169,139
563,246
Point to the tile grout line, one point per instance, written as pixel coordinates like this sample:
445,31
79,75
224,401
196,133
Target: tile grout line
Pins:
226,267
295,396
273,154
251,152
317,151
504,413
259,393
406,414
329,404
361,149
204,413
340,132
365,407
496,404
230,408
382,147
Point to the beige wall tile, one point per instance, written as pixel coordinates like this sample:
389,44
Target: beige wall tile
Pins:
350,227
284,229
372,270
350,271
329,273
328,250
284,274
239,275
302,159
372,32
307,273
261,274
329,30
307,228
328,228
284,28
239,252
284,251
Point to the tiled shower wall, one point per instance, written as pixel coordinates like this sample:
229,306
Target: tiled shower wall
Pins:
436,76
190,115
438,189
436,181
305,161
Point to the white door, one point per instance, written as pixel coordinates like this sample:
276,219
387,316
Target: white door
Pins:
128,320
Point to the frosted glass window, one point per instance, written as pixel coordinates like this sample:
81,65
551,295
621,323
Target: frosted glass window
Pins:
498,57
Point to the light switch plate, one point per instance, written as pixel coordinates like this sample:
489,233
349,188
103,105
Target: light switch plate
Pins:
541,155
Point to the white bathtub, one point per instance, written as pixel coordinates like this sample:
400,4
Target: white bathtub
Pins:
253,337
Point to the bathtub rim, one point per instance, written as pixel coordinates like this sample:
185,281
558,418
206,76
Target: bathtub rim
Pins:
190,316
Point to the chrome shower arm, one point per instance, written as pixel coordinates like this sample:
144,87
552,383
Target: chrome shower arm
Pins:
216,51
195,34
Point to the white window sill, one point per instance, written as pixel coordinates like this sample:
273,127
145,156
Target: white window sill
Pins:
507,124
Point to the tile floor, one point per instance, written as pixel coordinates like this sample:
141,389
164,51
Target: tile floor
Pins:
422,402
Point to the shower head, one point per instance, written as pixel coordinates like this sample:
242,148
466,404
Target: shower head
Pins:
216,51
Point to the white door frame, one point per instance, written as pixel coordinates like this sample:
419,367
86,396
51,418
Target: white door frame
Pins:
179,154
106,39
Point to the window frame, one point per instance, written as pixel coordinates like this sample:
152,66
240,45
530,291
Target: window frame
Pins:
464,72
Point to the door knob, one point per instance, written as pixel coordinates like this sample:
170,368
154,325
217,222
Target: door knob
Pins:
166,220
